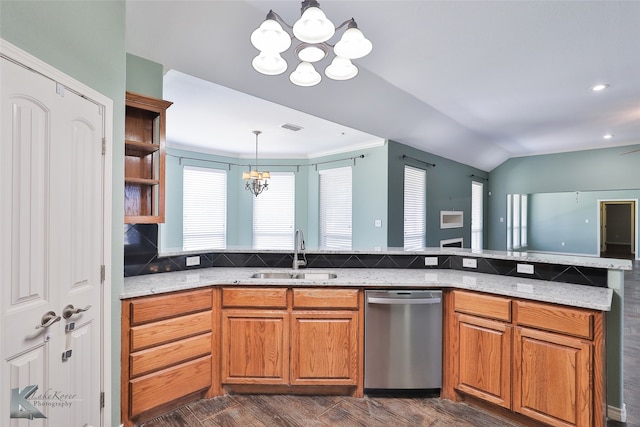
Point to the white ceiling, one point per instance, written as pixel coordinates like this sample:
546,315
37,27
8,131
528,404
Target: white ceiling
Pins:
477,82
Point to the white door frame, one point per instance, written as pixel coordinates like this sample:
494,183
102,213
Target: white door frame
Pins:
19,56
635,219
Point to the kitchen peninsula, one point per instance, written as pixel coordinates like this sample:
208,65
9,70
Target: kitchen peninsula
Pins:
485,292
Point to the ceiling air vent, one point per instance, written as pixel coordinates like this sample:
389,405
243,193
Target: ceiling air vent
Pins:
289,126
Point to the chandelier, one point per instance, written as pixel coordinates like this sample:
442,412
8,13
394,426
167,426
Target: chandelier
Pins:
312,31
256,182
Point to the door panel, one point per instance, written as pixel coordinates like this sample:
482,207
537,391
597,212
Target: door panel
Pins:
51,172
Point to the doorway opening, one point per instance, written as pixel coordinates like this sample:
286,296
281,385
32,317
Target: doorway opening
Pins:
618,219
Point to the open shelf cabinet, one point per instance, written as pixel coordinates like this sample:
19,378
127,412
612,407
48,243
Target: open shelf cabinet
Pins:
144,165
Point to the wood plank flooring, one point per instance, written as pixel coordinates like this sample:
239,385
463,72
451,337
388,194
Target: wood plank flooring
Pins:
374,411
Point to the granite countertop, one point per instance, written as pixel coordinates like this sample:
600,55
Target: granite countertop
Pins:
538,290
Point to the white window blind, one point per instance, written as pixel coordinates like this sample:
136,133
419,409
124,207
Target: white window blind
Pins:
523,221
476,214
204,218
509,223
415,192
335,208
517,205
274,213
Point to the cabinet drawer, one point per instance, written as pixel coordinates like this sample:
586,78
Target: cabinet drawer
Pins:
566,320
149,309
165,331
254,297
325,298
489,306
162,356
151,391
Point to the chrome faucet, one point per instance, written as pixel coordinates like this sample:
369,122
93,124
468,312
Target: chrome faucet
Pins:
298,248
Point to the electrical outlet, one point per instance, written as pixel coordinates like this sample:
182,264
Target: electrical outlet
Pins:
378,223
193,260
470,262
524,268
430,260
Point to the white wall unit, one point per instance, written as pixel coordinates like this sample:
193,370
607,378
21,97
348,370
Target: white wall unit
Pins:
451,219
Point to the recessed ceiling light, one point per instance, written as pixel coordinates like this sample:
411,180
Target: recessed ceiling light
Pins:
608,136
599,87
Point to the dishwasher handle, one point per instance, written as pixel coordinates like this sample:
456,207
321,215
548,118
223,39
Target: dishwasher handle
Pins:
402,301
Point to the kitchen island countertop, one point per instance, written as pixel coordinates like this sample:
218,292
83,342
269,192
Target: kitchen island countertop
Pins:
583,296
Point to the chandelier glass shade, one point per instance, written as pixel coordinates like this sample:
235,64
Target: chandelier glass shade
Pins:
255,181
311,33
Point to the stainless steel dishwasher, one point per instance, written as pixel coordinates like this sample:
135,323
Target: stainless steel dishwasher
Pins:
403,339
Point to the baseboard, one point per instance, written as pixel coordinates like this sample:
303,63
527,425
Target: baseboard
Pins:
617,414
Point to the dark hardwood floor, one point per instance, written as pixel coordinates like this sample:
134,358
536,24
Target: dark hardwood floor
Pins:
312,411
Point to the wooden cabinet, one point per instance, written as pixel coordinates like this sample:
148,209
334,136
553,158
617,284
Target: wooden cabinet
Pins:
553,365
484,364
144,166
291,337
539,360
167,348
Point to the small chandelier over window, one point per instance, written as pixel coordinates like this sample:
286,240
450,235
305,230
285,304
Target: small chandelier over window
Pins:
256,182
312,30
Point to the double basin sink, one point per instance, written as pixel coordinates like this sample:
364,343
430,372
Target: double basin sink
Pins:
294,275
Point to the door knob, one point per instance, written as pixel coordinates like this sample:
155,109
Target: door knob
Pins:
48,319
70,310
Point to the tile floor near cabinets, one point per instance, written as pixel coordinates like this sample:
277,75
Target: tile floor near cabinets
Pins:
311,411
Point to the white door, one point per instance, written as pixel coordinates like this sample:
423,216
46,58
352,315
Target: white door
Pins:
51,184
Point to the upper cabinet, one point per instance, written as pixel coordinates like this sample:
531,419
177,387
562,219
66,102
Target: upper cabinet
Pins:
144,164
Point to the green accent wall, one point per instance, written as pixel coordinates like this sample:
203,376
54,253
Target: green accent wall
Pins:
85,40
448,189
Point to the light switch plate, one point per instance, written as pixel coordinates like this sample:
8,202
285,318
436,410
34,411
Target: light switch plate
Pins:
470,262
524,268
193,260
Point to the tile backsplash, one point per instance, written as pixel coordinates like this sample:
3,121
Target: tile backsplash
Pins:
141,257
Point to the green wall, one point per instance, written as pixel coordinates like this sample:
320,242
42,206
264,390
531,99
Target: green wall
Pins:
590,170
144,76
85,40
448,188
368,172
570,218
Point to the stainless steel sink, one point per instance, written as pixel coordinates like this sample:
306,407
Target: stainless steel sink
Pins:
292,275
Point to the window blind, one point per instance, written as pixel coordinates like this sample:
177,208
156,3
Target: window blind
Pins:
335,208
415,191
204,218
274,213
476,214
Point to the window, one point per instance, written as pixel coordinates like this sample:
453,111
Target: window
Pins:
335,208
476,214
415,183
274,213
204,220
516,221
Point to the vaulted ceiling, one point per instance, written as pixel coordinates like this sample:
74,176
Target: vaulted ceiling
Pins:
477,82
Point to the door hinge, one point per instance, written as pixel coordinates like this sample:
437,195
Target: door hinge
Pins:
104,146
101,399
102,273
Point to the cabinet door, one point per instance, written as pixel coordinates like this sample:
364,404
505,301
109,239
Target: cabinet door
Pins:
324,347
552,378
483,365
255,347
